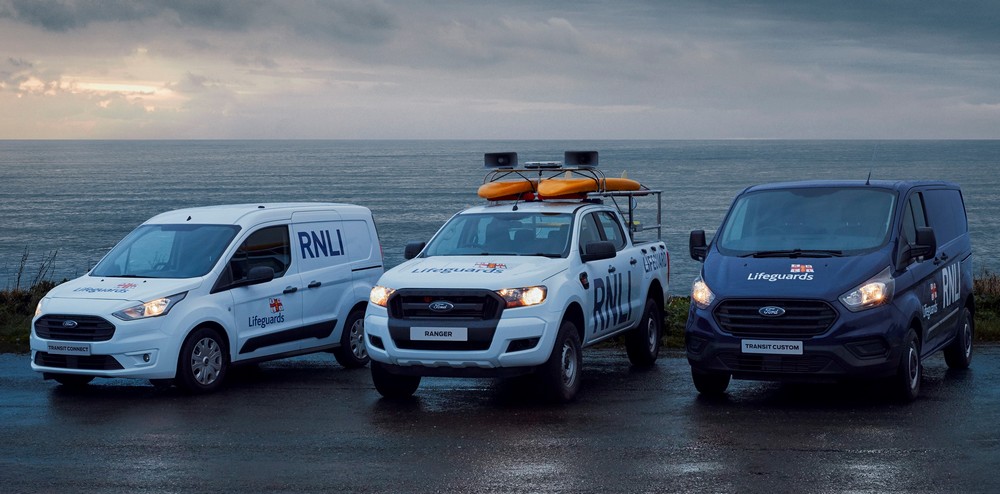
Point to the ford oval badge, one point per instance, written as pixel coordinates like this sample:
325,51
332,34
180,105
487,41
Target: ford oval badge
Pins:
69,323
441,306
771,311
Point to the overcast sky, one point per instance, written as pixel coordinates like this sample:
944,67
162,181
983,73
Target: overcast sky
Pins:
416,69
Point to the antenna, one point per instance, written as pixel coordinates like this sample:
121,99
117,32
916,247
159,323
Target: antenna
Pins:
871,165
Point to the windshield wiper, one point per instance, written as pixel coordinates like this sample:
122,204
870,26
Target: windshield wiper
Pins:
793,253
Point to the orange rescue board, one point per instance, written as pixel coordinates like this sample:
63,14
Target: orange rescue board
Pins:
574,187
506,189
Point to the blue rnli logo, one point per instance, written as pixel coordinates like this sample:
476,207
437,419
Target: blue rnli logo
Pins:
771,311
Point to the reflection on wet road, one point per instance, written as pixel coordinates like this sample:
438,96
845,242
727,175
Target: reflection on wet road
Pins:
306,425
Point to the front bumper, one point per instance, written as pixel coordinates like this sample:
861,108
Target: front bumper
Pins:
138,349
522,340
858,345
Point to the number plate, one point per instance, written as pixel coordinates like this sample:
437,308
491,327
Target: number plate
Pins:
439,334
68,348
771,347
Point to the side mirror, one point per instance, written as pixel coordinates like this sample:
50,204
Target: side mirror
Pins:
595,251
256,276
926,243
697,246
413,249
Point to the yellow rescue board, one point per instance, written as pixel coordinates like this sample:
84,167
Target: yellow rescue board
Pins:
569,187
506,189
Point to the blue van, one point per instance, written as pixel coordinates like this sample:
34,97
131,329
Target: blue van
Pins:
825,280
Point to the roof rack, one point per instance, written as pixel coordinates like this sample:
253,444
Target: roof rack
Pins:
577,165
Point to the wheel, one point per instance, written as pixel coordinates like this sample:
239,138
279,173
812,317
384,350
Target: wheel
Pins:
643,343
203,361
72,380
391,385
352,352
958,355
560,375
709,383
906,383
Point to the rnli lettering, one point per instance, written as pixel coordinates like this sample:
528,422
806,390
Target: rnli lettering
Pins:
320,244
951,285
611,308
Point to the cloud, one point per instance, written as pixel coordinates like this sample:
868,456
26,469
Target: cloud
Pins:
510,68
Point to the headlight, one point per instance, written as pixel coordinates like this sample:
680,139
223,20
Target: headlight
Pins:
523,297
872,293
153,308
380,295
701,295
38,308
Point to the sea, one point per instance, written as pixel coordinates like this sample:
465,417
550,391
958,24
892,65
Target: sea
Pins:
64,204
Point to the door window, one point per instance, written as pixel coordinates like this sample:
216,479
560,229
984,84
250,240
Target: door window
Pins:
265,247
612,230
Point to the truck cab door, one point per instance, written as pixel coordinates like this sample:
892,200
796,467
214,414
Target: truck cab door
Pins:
607,306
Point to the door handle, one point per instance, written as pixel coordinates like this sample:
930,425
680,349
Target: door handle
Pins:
611,269
944,256
290,289
632,261
314,284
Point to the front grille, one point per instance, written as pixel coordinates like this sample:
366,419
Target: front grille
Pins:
802,318
82,362
87,328
471,305
791,364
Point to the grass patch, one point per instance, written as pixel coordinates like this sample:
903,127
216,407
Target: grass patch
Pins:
986,288
18,301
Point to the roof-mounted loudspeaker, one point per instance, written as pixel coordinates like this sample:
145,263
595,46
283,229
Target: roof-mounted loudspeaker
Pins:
500,160
581,159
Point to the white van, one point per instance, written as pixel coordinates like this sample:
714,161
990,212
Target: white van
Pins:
192,291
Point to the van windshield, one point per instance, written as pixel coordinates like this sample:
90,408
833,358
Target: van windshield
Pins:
519,234
808,222
167,251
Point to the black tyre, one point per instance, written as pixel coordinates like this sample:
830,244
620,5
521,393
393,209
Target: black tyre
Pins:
560,375
643,343
958,355
906,383
203,361
352,353
72,380
391,385
709,383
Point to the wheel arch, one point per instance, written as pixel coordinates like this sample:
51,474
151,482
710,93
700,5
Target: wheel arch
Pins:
574,314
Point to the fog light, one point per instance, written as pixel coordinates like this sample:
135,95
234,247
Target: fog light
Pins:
870,348
522,344
145,357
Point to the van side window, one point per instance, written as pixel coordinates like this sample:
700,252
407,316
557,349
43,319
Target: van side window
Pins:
265,247
612,229
946,214
913,217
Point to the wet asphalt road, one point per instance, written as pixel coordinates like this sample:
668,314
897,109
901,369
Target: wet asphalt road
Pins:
307,425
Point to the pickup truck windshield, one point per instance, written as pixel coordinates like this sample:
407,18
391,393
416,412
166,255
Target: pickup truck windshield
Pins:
808,222
167,251
520,234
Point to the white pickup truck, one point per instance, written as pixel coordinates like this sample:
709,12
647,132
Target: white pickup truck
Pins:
521,284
